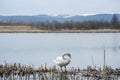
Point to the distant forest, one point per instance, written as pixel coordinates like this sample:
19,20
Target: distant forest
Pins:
70,25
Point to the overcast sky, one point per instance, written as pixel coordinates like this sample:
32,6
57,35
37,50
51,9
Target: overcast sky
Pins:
53,7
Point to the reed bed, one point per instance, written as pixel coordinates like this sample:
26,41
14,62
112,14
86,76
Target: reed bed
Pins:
22,72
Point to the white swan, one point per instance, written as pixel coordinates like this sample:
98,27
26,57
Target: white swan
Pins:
63,60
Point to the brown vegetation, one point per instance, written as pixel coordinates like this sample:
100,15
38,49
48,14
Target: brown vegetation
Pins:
22,72
29,29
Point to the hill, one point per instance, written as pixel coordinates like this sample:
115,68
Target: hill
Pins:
47,18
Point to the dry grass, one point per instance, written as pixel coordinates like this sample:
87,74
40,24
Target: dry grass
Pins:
22,72
29,29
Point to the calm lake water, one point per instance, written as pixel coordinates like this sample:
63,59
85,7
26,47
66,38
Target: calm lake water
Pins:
41,48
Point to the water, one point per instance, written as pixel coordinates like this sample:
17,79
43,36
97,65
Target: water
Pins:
42,48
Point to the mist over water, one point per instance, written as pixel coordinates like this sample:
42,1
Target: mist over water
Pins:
41,48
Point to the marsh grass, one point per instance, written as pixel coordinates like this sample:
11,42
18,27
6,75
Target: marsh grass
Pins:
22,72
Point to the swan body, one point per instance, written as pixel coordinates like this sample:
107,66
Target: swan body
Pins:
63,60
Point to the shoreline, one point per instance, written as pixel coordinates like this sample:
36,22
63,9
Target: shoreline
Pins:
62,31
28,29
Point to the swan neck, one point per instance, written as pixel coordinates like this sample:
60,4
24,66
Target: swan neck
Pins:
65,57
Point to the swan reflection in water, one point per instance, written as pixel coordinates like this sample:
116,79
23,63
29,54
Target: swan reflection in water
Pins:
63,60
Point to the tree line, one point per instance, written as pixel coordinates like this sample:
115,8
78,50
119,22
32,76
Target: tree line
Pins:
71,25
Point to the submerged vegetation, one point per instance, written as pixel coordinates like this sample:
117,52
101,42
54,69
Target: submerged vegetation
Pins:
22,72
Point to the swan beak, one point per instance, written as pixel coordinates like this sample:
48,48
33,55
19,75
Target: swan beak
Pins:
70,56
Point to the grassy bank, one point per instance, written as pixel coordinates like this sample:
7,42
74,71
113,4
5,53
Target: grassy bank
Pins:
29,29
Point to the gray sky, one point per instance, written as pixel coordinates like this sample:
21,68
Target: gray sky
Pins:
53,7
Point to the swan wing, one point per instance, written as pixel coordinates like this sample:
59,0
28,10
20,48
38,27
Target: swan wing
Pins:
61,62
57,60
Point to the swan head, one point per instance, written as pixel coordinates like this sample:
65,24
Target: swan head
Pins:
66,54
